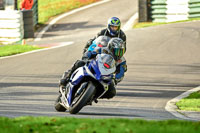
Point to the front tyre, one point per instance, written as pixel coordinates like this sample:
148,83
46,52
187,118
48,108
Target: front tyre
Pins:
80,101
58,106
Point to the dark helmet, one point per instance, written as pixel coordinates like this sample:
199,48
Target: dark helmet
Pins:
117,47
114,25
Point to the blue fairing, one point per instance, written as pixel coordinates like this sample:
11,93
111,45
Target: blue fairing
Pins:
92,46
82,73
76,82
94,65
73,84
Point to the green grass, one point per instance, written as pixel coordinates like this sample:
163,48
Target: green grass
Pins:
8,50
149,24
190,103
75,125
50,8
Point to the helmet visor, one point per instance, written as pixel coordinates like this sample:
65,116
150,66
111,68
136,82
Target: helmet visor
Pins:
114,28
118,52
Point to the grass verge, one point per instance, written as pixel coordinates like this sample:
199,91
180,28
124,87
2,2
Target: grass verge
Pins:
8,50
50,8
190,103
75,125
149,24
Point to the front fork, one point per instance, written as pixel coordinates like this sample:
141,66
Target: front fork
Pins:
67,98
64,93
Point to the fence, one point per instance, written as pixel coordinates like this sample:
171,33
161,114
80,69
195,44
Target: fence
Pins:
11,26
171,10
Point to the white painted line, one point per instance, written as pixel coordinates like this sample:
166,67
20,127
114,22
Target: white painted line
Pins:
40,34
34,51
131,22
171,105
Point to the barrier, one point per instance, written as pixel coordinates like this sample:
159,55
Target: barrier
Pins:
28,23
11,26
194,6
35,12
169,10
158,10
173,10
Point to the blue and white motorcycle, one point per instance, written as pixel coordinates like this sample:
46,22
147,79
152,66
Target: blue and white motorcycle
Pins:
87,84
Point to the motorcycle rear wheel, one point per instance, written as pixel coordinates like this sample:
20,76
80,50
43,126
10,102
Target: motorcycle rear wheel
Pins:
83,99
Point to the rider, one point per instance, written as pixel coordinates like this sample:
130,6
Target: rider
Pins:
112,30
115,47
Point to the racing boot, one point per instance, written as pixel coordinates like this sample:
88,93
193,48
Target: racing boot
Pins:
64,80
67,74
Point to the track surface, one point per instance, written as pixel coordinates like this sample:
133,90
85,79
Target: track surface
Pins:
163,62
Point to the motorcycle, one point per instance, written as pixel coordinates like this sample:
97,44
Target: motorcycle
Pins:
87,84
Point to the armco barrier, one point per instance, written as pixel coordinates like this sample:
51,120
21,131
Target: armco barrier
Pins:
158,10
172,10
194,6
11,26
168,10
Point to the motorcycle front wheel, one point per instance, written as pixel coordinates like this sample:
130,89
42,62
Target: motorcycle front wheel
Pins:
82,99
58,106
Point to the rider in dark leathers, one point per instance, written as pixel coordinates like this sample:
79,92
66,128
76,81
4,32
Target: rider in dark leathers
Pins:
112,30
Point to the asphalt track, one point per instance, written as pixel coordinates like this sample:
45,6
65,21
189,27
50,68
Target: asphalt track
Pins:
163,62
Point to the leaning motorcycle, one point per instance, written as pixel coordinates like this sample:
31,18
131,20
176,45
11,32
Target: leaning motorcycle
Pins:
86,84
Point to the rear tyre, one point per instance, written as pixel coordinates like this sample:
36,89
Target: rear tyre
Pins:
80,101
58,106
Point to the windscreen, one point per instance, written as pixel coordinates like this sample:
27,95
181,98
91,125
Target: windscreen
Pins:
108,61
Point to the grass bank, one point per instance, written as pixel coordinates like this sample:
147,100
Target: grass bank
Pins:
8,50
75,125
50,8
190,103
